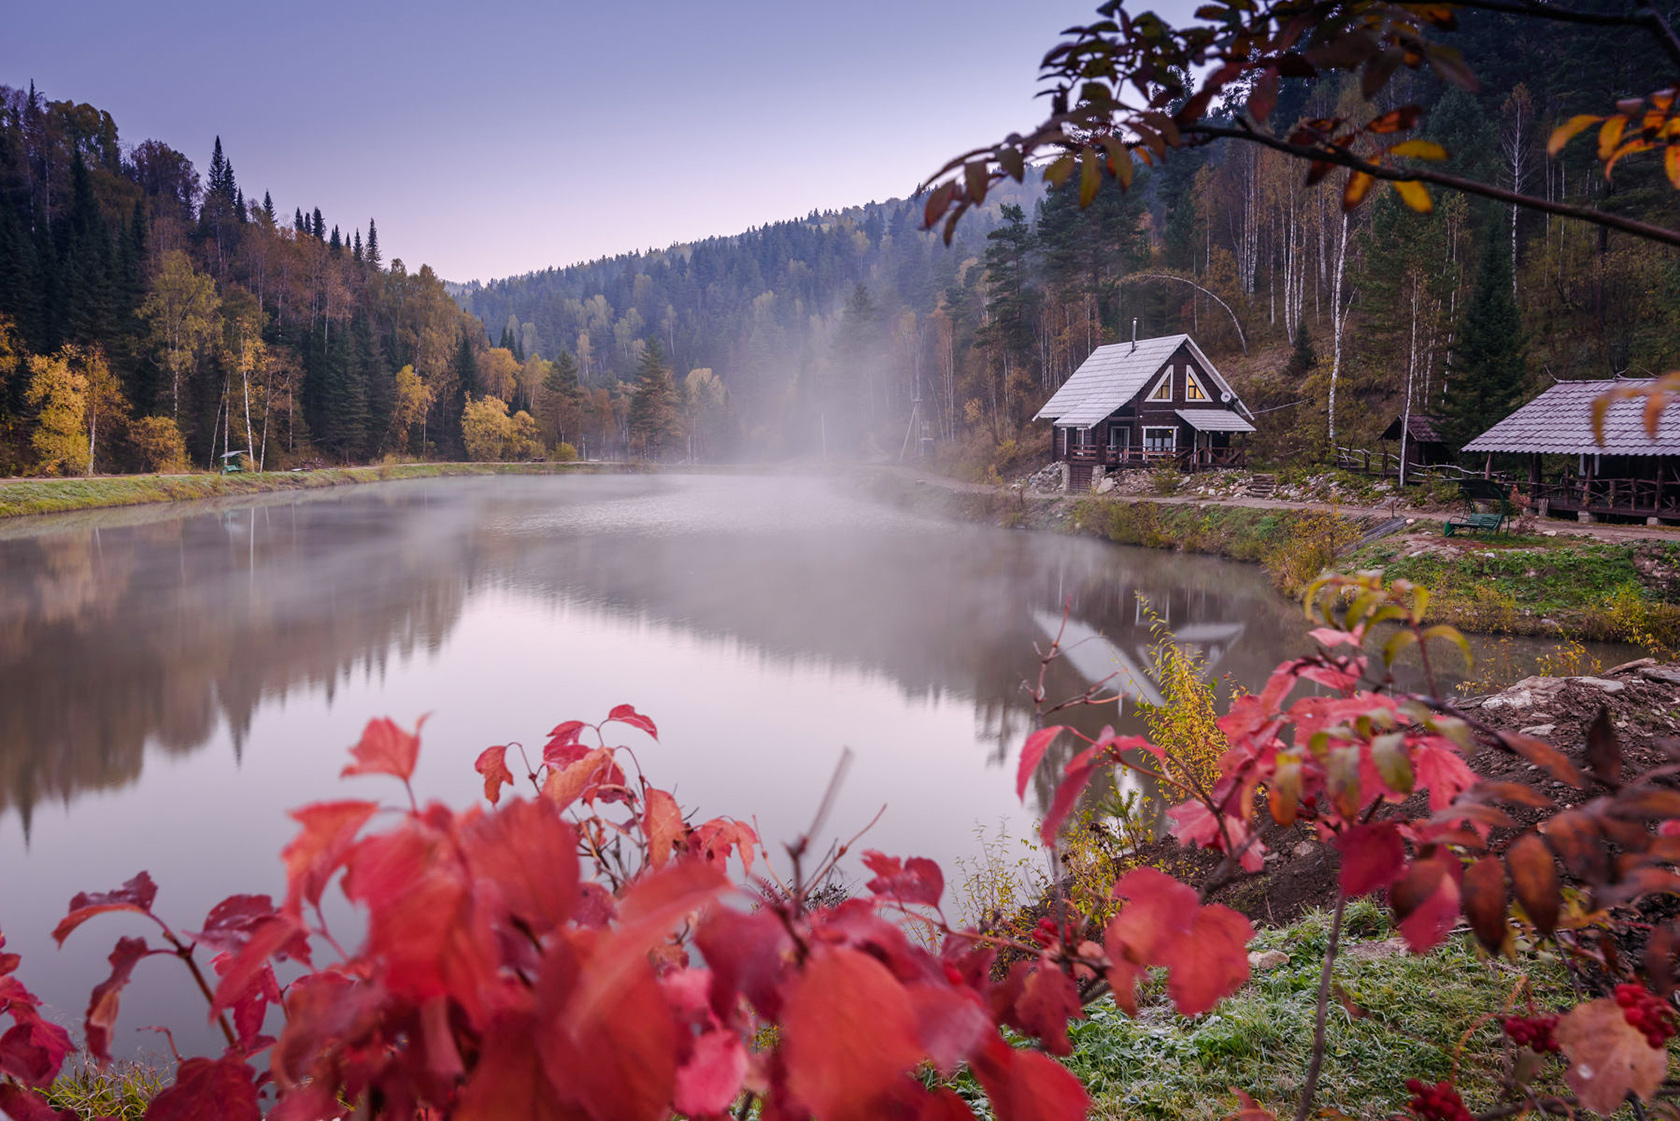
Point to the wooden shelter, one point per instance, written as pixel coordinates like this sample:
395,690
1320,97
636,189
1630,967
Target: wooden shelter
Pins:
1145,403
1421,443
1630,474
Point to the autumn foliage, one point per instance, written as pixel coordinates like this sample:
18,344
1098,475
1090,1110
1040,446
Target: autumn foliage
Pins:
582,949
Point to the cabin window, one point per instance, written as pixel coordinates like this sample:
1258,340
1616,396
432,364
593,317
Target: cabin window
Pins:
1193,389
1160,439
1119,437
1163,390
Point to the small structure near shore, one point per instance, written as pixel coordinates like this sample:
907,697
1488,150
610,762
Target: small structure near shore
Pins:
1631,474
1146,403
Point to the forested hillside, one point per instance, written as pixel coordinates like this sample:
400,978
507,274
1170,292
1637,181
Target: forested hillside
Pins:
151,319
826,330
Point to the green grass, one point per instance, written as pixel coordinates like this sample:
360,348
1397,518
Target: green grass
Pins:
120,1090
1162,1065
52,496
1588,589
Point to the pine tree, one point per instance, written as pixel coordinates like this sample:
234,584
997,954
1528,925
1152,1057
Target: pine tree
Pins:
268,208
336,243
298,223
373,257
564,393
1488,369
655,418
318,226
239,214
356,246
506,342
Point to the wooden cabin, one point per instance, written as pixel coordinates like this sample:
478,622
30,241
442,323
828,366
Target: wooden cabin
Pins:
1421,443
1145,403
1630,475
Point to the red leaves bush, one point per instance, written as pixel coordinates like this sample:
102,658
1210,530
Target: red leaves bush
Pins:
583,952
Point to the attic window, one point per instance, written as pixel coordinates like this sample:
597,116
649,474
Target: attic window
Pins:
1193,389
1163,391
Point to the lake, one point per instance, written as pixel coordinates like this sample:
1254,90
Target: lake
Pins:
174,679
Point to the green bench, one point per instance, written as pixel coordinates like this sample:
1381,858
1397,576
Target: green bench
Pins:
1476,492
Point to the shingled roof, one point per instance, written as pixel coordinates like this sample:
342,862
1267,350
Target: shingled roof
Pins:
1559,421
1113,375
1421,428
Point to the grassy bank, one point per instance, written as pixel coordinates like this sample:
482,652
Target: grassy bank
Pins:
1575,586
51,496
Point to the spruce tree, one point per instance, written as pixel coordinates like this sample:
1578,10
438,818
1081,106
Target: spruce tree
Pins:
1302,359
318,226
336,243
562,389
298,222
1487,372
268,208
655,418
373,257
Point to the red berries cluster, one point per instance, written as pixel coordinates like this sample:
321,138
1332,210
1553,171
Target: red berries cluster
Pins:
1532,1031
1646,1011
1439,1102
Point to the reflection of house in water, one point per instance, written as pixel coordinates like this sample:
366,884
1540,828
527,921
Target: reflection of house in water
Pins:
1096,658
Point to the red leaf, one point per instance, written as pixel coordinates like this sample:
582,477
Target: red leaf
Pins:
102,1005
745,951
648,911
508,1079
1028,1086
1426,900
714,839
1032,753
1484,901
615,1054
662,825
1373,856
385,749
528,854
1159,910
1048,1000
624,714
232,922
20,1104
1212,963
565,733
274,936
951,1022
1074,780
1608,1057
32,1060
1442,769
917,881
711,1078
136,895
569,782
208,1088
423,929
849,1035
492,764
329,829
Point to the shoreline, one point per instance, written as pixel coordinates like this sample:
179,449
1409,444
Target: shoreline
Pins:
29,497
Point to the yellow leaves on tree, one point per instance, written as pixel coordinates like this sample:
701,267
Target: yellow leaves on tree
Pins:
59,393
491,435
157,441
182,311
411,401
498,372
76,398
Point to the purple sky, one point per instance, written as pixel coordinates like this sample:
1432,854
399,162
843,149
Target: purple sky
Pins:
491,140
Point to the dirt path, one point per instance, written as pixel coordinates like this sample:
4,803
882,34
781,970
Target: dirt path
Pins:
1382,511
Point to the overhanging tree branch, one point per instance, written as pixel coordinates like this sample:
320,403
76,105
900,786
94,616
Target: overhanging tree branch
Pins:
1342,158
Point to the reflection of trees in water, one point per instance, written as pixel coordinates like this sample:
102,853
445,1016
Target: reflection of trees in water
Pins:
113,638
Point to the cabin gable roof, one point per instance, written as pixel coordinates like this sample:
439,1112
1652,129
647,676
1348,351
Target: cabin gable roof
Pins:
1559,421
1118,373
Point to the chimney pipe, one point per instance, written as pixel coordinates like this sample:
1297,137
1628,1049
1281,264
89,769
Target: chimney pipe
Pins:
1134,334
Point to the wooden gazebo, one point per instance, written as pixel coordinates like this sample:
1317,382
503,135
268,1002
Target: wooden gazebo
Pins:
1631,474
1421,443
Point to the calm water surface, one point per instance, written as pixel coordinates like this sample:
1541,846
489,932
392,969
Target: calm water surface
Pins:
172,681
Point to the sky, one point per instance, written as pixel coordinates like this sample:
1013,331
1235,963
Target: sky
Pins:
495,139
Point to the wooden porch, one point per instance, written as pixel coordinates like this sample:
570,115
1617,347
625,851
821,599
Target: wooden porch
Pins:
1185,459
1607,498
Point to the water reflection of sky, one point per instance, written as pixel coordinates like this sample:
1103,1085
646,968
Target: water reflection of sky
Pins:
171,683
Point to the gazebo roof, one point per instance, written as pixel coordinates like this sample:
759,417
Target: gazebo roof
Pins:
1559,422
